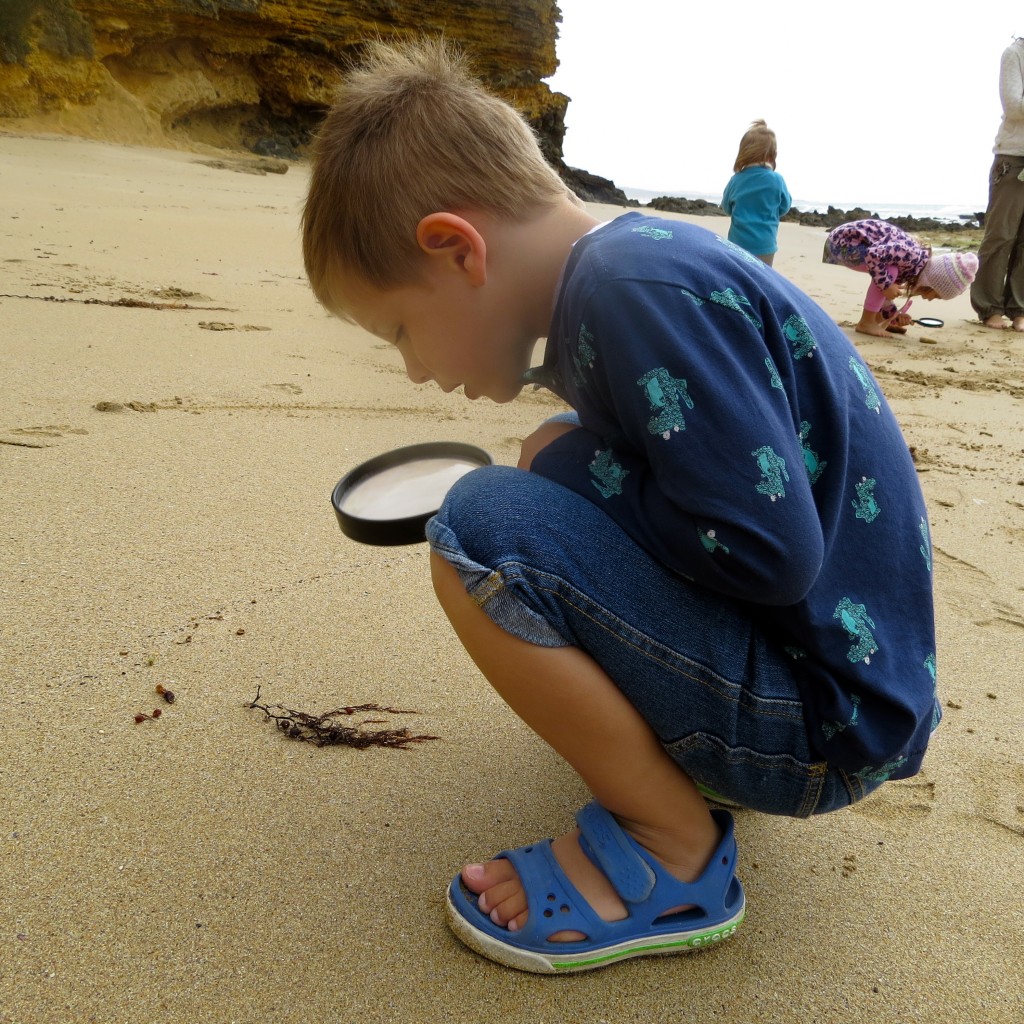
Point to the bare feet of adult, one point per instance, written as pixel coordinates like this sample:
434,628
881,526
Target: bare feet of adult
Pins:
1018,324
500,893
996,322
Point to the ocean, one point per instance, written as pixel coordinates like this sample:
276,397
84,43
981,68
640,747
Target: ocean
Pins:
950,214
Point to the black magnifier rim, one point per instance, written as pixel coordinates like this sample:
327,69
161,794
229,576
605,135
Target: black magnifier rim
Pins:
930,321
409,529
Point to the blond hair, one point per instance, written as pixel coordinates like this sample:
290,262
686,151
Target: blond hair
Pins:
412,132
758,146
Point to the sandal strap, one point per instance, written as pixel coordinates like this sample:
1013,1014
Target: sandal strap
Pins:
634,873
611,849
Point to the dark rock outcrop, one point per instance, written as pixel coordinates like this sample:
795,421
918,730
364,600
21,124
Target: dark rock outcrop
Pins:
592,188
834,217
677,204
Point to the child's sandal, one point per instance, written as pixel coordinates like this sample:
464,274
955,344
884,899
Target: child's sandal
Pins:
716,902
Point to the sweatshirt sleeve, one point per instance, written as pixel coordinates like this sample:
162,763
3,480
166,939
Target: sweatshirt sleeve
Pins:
686,442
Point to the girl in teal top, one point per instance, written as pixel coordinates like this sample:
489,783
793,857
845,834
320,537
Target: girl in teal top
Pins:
756,197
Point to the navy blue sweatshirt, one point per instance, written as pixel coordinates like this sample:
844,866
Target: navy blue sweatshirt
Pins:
735,433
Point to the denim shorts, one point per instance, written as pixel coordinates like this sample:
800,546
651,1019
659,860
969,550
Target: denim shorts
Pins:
549,567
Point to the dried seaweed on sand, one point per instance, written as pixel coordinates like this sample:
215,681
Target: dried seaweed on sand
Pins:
326,729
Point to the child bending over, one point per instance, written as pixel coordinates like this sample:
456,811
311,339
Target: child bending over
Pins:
899,266
715,577
756,197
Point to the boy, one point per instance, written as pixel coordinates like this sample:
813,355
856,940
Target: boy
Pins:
714,578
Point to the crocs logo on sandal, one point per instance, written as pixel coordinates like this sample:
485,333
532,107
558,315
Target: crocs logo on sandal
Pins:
713,937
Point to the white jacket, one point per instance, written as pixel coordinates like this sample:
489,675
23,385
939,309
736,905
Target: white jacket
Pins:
1010,137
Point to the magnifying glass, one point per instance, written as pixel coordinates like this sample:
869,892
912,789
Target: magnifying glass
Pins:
930,321
388,499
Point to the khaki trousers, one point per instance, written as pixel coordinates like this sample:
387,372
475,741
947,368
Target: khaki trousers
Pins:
999,285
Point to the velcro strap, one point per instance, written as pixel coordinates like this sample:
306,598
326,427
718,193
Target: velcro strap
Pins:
615,853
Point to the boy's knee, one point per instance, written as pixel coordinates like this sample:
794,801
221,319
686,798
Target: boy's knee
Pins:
478,502
496,514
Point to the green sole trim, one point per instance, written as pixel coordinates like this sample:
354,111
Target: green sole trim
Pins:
708,938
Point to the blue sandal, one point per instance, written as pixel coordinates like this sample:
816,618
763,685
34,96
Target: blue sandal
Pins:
716,901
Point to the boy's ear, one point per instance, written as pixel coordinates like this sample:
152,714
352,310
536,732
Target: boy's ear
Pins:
449,237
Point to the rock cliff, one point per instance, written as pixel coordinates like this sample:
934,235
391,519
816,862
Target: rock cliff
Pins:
246,73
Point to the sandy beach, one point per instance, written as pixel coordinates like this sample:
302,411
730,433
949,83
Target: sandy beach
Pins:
175,411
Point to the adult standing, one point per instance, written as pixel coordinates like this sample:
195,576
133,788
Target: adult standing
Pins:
998,291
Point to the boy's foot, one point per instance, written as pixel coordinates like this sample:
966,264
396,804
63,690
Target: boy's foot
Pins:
997,322
561,933
501,895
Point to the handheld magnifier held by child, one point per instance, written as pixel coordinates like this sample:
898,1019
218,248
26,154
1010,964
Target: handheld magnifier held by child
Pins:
924,321
388,499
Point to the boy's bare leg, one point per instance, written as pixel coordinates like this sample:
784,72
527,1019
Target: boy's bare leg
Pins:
568,700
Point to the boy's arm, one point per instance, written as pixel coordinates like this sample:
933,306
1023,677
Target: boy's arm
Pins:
544,435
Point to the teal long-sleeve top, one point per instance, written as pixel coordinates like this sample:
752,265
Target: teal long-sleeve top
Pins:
756,198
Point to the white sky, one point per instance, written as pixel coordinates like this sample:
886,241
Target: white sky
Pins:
872,103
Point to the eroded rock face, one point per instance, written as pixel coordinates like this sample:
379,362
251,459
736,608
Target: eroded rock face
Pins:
253,73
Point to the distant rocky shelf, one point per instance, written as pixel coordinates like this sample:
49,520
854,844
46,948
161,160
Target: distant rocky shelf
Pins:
831,218
592,188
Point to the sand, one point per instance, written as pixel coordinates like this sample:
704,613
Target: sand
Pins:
166,464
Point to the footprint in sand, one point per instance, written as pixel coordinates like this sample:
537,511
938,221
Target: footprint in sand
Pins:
120,407
173,292
292,389
222,325
899,799
37,437
1001,797
969,591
